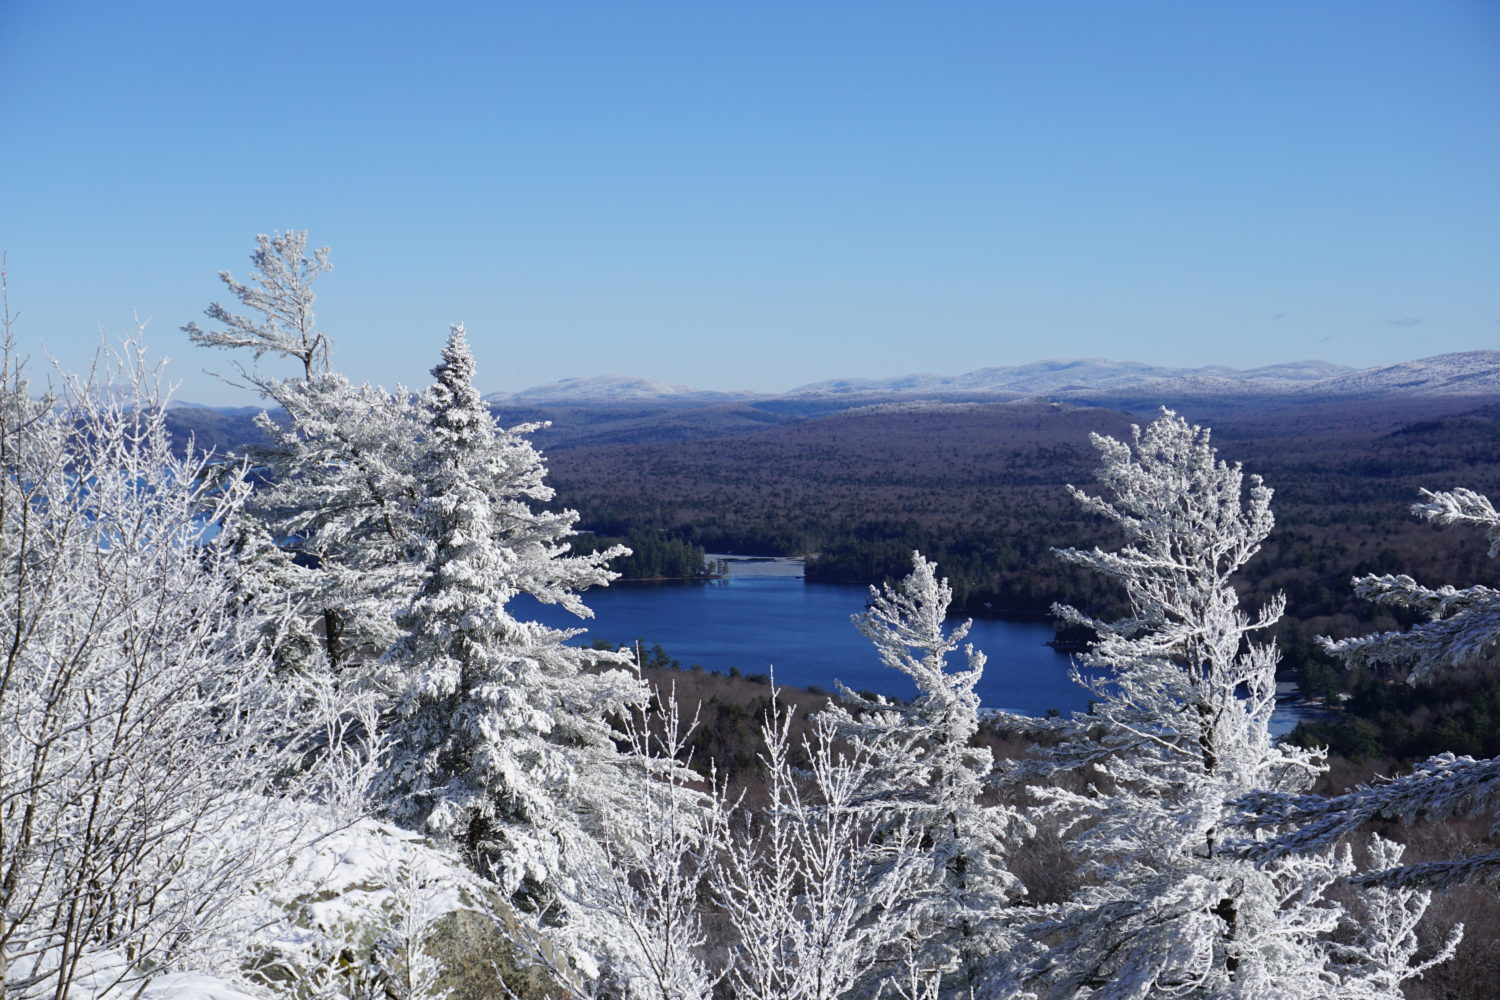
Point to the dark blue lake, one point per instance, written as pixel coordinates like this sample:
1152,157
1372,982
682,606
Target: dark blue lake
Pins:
765,617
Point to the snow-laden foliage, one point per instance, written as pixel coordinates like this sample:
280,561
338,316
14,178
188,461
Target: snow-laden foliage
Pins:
341,490
281,292
1462,626
500,736
927,777
815,894
138,710
268,589
804,896
1178,733
1438,788
638,900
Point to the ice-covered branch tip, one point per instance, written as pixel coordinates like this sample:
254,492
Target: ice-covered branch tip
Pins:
281,293
1439,788
1461,506
1462,626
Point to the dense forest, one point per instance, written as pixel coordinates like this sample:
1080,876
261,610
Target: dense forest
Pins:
654,555
982,489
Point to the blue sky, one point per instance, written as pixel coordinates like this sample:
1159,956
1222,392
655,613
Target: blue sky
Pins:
759,195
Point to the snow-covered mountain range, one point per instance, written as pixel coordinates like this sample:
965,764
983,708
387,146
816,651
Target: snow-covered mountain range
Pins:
613,389
1090,374
1468,372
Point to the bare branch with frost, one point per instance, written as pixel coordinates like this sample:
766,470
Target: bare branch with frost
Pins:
281,292
139,718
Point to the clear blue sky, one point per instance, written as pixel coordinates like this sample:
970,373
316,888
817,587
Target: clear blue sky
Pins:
762,194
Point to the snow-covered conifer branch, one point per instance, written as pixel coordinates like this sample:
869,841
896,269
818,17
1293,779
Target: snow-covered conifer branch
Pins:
341,491
1438,788
1462,626
1461,506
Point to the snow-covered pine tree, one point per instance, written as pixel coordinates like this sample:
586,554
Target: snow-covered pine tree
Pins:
336,483
1178,733
500,734
927,776
340,490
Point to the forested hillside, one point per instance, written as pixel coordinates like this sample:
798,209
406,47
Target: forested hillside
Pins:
981,486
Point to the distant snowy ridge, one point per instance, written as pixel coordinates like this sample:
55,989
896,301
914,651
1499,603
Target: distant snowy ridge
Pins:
1083,379
613,389
1054,377
1461,373
1084,374
1467,372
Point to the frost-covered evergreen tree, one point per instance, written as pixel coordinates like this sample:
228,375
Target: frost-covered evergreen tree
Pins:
1178,733
341,490
500,735
927,776
337,487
